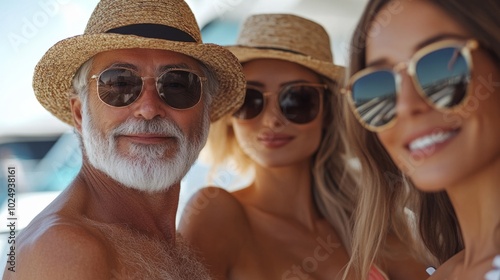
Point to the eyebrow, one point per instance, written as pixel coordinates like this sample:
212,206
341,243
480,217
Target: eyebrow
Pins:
438,38
426,42
174,66
123,65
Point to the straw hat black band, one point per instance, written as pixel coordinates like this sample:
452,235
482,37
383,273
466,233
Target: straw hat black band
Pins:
136,24
287,37
279,49
154,31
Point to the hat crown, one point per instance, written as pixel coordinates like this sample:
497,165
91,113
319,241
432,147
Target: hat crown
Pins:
288,33
112,14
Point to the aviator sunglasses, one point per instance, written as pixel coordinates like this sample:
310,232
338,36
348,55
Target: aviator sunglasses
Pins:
299,103
440,73
178,88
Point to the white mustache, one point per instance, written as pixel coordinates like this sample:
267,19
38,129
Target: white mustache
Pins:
162,127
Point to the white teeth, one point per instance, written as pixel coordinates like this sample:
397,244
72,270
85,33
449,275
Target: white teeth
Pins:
429,140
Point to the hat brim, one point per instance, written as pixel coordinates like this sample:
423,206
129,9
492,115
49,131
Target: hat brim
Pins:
52,79
326,69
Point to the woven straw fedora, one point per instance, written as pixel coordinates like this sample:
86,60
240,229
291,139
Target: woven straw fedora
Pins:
287,37
122,24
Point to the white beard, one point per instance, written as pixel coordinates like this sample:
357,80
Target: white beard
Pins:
150,168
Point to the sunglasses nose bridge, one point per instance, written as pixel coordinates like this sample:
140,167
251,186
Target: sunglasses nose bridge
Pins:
409,100
151,85
148,103
271,100
399,70
400,67
271,111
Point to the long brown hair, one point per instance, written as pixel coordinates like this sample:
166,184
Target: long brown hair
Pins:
387,194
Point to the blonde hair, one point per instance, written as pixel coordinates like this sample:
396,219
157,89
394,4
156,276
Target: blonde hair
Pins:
388,196
382,206
334,187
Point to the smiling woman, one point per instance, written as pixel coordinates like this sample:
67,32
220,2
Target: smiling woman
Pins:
424,102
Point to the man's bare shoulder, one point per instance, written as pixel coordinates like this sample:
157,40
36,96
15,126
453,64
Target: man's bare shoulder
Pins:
61,248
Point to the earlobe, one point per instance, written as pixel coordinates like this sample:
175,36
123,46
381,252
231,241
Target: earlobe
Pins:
76,112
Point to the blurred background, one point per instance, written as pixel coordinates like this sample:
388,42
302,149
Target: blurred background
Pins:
43,150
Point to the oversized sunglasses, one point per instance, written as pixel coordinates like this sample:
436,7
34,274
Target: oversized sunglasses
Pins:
440,73
299,103
178,88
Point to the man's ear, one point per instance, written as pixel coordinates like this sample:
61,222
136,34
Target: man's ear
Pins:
228,120
76,112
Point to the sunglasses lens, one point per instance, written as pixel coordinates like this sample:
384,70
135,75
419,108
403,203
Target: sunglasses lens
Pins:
119,87
179,89
300,104
374,98
444,75
252,106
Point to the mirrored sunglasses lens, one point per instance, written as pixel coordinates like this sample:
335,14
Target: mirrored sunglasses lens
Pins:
179,89
374,97
252,106
444,75
300,104
119,87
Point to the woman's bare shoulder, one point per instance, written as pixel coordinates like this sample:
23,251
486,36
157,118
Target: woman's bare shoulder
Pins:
399,262
212,205
214,223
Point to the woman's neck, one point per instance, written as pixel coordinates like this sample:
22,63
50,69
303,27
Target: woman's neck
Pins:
285,191
477,205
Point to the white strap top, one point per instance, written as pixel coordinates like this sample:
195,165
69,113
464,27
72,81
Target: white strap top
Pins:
494,274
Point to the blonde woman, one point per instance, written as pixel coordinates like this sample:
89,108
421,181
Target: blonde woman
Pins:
425,98
293,220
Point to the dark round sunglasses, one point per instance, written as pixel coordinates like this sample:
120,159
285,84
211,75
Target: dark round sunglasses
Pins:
178,88
299,103
440,72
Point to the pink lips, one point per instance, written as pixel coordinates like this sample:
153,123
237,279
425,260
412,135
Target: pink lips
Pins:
275,140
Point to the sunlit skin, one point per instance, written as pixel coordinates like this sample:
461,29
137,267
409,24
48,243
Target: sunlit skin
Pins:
272,227
150,106
466,165
270,139
68,225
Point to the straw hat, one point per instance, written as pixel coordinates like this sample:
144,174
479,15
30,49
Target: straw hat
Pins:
287,37
157,24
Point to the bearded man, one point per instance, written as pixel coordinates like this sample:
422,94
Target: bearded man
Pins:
140,89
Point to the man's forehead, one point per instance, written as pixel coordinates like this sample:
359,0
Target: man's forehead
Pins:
160,67
138,59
